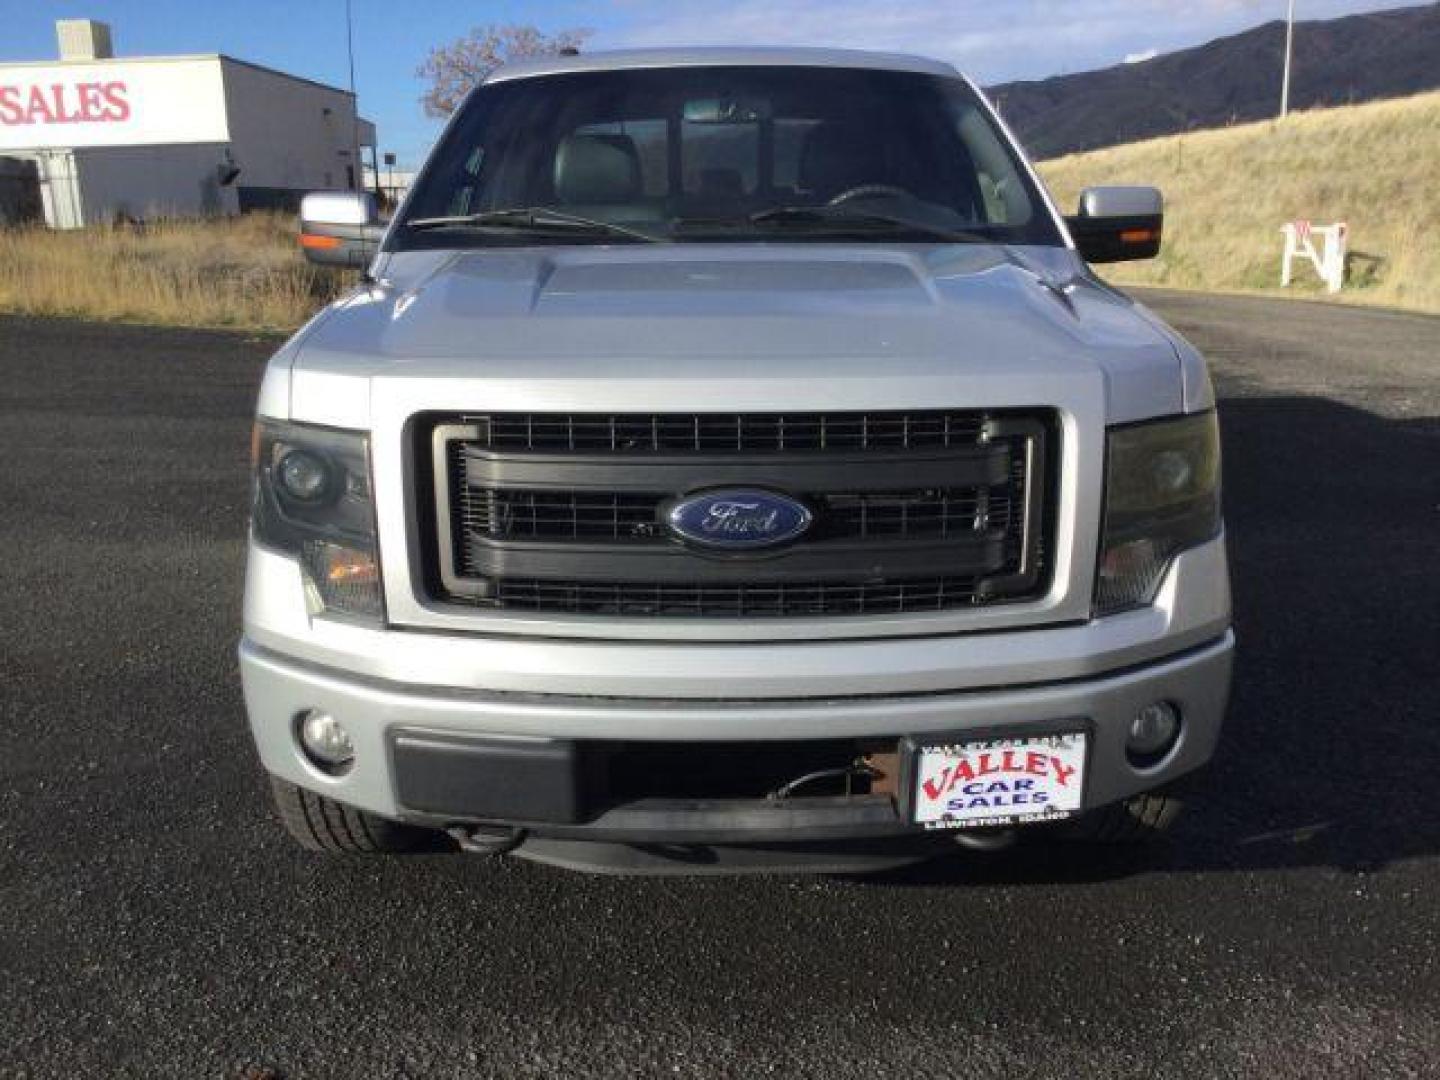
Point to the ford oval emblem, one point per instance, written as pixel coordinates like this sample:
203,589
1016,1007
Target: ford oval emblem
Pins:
737,518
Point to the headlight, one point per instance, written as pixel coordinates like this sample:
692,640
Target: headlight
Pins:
312,500
303,476
1162,495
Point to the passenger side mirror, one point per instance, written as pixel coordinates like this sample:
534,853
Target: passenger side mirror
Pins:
1118,224
340,228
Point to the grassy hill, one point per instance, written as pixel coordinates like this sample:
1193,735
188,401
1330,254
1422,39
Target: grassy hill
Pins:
1228,191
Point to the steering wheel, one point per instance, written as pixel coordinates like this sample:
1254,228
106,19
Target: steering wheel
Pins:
866,191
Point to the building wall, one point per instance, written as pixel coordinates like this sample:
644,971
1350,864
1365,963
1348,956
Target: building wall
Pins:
95,185
153,181
390,183
289,136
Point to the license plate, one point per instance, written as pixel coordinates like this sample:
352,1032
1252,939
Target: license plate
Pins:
985,782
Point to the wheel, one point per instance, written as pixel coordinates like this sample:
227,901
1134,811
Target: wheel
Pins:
320,824
1131,821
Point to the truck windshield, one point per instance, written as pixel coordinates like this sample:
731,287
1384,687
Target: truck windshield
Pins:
724,153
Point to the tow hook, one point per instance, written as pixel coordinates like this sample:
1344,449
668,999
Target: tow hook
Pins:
493,842
846,773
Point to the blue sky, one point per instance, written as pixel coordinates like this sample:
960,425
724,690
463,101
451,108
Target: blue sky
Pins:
993,40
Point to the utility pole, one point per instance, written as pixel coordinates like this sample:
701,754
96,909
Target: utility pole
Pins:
1289,47
358,166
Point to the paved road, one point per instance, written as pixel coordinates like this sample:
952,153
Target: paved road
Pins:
154,922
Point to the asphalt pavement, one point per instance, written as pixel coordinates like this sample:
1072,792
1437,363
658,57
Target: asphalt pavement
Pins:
155,922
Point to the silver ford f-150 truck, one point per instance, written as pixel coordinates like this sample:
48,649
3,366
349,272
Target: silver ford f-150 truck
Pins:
729,461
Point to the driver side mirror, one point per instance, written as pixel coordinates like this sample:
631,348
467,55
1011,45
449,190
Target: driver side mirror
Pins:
340,228
1118,224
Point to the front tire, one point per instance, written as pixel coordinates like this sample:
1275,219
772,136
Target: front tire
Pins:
320,824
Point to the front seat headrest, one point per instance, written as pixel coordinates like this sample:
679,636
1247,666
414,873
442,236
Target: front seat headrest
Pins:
597,168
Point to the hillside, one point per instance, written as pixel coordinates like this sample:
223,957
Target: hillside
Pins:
1227,193
1349,60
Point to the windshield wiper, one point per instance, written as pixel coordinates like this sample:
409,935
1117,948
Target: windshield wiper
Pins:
533,219
845,218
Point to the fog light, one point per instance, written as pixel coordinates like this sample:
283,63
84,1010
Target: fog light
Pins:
1153,732
326,741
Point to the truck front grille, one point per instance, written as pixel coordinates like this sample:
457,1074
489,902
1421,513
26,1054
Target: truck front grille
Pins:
738,600
621,517
726,433
913,511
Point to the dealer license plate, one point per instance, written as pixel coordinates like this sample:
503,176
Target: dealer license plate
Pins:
999,781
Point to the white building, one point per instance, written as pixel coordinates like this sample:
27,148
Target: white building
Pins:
106,137
391,182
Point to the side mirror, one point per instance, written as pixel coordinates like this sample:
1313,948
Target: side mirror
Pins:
340,228
1117,224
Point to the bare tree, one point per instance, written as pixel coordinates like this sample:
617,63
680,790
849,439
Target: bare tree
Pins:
453,69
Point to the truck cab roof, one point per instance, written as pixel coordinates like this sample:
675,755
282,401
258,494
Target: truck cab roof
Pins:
722,57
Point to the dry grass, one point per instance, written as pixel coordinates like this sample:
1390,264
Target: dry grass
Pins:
243,272
1227,192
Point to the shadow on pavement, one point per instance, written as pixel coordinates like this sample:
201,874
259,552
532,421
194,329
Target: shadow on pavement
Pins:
1331,753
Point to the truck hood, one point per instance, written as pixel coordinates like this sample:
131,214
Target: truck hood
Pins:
697,327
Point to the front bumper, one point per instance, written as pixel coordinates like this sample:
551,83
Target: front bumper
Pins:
382,716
